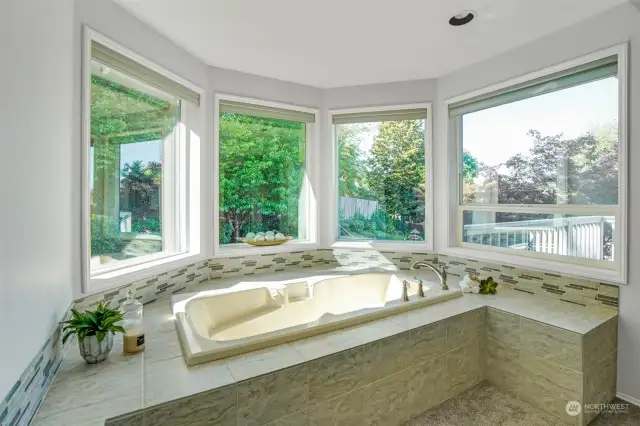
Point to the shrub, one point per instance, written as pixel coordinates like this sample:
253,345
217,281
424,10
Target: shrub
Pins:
359,216
401,226
226,231
150,224
390,228
380,235
383,221
357,225
104,235
254,227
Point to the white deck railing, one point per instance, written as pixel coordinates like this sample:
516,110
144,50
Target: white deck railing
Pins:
581,236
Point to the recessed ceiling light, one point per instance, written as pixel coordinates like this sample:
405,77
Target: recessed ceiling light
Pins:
462,18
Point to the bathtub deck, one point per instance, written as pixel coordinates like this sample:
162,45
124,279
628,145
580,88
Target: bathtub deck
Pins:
124,384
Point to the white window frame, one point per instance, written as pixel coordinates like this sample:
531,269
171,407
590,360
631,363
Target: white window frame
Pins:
611,272
333,192
184,235
310,186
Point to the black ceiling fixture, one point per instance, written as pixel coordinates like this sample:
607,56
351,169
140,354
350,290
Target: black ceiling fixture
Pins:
462,18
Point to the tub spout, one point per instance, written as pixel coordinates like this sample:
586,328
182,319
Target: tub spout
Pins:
442,274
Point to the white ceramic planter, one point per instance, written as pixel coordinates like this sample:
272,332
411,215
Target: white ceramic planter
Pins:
94,352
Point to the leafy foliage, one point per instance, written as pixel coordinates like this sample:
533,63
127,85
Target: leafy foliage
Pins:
93,323
488,286
139,188
469,167
104,235
150,224
582,170
392,173
226,230
121,114
261,173
352,170
396,168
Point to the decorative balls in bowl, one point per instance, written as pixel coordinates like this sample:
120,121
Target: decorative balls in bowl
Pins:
269,238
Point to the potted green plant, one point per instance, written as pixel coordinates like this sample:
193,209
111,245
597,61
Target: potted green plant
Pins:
95,331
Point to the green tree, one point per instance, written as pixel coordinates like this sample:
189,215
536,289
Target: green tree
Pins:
470,171
140,188
120,115
396,168
352,170
469,167
581,170
261,172
557,170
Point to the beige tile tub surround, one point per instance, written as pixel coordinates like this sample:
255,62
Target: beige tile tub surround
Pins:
158,378
387,381
548,366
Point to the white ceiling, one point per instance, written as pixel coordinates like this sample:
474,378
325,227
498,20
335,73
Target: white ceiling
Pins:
332,43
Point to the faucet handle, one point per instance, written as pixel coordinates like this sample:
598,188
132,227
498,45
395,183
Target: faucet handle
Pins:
405,290
420,288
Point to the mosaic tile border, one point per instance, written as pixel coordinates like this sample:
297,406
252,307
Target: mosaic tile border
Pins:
575,291
571,290
184,279
22,402
20,405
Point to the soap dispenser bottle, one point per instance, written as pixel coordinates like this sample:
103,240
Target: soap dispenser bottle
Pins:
133,338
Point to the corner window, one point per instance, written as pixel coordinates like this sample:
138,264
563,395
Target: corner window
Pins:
263,172
382,175
136,208
539,166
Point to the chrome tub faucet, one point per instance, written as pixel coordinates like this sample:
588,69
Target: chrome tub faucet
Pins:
442,273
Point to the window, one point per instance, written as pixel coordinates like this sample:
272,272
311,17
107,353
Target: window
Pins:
382,175
263,182
540,166
135,144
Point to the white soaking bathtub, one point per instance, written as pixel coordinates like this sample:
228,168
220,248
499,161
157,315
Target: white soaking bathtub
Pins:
216,324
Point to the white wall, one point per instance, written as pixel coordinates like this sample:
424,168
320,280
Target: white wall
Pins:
113,21
38,207
403,92
231,82
616,26
40,161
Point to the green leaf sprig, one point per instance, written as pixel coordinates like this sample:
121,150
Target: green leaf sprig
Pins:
488,286
93,323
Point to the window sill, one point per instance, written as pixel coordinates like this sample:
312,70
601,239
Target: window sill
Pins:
241,249
109,279
612,276
415,247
